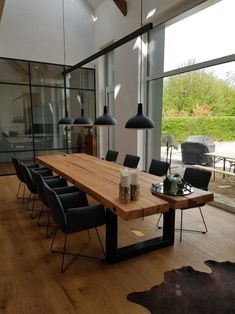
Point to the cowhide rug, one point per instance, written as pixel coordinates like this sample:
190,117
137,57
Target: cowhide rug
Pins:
187,291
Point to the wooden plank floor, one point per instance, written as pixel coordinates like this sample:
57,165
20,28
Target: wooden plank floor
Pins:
30,281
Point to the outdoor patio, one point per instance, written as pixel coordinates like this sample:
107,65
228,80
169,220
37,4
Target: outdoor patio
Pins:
223,188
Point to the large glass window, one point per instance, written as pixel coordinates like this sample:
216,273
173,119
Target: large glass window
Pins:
191,91
200,37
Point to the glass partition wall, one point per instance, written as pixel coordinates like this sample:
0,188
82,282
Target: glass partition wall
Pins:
32,101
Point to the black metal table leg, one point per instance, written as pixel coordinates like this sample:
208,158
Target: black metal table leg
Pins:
169,226
111,235
115,254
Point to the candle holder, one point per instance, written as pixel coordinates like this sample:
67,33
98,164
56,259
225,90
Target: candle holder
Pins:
124,194
135,192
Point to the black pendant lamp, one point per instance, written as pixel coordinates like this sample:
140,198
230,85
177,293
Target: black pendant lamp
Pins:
105,119
66,119
140,121
82,120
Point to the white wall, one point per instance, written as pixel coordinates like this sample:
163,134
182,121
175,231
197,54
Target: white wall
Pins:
110,26
32,29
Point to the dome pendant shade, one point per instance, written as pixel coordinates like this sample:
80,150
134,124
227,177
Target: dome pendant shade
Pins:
140,121
66,119
82,120
105,119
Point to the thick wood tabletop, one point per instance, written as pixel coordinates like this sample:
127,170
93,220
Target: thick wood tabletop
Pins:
100,179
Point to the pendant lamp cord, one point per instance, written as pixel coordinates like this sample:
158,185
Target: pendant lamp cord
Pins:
141,24
63,32
63,26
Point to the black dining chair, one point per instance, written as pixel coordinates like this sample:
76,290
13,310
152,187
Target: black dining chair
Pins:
158,167
71,217
27,173
200,179
131,161
59,185
111,155
16,162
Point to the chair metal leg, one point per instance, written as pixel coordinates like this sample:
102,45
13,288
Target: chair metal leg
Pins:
64,252
53,239
203,219
89,235
40,214
23,197
18,191
62,269
159,227
192,230
32,209
27,206
48,223
101,244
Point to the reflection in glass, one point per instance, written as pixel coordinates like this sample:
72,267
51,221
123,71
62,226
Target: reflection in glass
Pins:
15,118
6,166
74,103
81,78
14,71
46,74
47,110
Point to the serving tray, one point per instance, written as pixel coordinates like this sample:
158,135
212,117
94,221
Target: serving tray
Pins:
158,187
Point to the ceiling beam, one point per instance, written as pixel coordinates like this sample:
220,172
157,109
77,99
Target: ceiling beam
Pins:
122,5
2,2
144,29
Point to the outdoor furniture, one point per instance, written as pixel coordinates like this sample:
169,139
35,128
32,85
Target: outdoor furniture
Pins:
222,157
194,149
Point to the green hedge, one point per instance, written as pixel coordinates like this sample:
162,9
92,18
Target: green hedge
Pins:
219,128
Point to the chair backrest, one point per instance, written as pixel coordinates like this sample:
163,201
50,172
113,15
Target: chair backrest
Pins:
198,178
131,161
56,207
18,169
111,155
38,184
28,178
158,167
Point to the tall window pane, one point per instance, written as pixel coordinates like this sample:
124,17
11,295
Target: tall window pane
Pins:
14,71
200,37
46,74
47,110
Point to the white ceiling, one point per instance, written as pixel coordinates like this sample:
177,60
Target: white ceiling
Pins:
95,3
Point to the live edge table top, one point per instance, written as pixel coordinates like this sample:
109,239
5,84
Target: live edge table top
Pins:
100,179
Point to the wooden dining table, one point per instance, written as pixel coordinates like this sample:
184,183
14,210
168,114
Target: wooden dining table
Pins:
100,179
